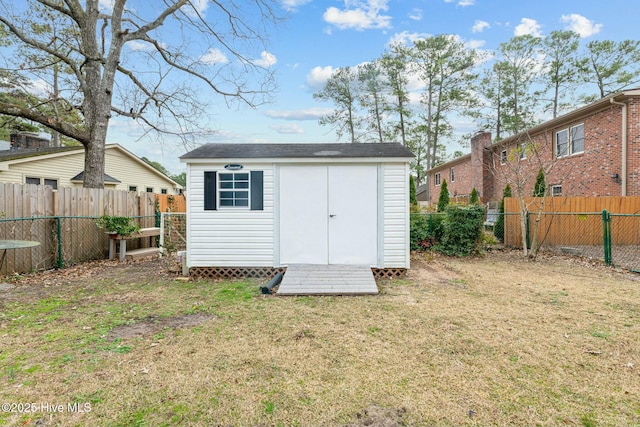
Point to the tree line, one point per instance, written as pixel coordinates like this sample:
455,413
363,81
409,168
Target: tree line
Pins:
413,93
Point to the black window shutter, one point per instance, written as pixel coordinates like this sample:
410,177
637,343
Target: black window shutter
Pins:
257,198
210,191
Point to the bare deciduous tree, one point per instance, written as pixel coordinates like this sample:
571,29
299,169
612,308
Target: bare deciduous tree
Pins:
147,61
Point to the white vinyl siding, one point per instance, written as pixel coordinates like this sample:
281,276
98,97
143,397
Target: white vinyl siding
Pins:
229,237
396,215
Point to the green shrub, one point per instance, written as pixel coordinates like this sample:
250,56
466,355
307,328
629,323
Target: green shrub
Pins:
412,191
474,198
443,199
463,230
122,225
425,231
540,188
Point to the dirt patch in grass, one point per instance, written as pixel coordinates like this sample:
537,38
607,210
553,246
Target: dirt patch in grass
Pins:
153,324
496,340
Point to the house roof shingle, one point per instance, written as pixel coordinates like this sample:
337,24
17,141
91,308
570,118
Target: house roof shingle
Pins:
107,178
275,151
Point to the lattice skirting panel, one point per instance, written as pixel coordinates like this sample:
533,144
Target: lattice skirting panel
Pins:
389,273
216,273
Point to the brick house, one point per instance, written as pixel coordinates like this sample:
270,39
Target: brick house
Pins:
591,151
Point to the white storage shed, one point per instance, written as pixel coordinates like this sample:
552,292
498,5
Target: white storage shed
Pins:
267,206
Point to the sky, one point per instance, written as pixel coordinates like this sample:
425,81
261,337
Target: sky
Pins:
320,36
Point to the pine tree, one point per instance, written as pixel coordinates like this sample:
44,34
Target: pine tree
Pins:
540,189
498,229
474,199
443,200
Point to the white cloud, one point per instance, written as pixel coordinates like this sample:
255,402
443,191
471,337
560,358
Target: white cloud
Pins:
40,88
475,44
214,56
293,5
406,38
479,26
318,76
462,3
288,129
304,114
195,7
106,5
416,14
359,15
266,60
581,25
528,27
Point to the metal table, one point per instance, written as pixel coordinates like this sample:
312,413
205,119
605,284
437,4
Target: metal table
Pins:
14,244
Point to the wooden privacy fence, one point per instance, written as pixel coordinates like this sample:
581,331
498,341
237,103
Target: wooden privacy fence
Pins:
572,220
64,222
171,203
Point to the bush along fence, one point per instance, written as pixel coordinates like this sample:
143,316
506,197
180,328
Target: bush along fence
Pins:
456,231
64,223
603,228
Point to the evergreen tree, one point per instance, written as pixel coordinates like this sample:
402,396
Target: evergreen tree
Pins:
498,229
413,200
540,189
443,200
474,199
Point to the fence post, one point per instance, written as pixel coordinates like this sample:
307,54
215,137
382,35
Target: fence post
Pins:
606,233
527,230
59,231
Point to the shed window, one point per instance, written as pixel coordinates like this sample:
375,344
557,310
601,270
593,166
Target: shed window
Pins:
234,189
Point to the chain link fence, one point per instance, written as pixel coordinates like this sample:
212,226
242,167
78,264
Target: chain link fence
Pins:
63,241
173,232
611,238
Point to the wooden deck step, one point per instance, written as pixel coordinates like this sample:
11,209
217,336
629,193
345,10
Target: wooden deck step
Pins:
311,279
141,253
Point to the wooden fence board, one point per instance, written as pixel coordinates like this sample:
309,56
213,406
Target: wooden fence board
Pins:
81,239
563,221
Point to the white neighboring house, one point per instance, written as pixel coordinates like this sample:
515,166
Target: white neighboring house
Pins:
271,205
64,166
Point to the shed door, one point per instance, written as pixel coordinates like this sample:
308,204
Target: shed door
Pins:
328,214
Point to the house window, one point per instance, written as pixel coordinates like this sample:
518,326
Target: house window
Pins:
163,191
53,183
556,190
149,189
437,178
570,141
503,157
133,188
233,189
32,180
453,177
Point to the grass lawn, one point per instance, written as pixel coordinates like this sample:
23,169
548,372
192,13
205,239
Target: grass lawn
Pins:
497,340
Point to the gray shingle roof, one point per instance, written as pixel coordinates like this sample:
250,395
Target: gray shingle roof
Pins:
107,178
273,151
